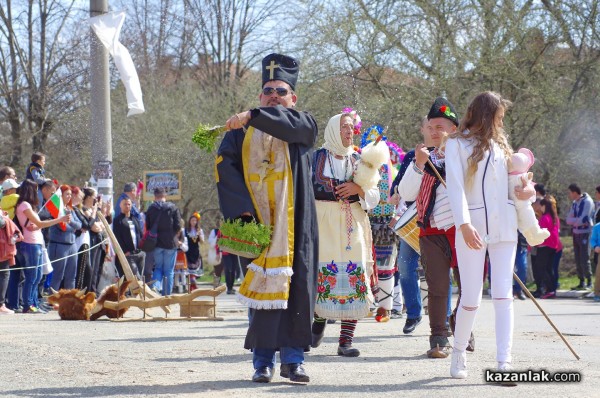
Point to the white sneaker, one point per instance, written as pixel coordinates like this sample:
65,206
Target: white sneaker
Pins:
504,366
458,364
5,311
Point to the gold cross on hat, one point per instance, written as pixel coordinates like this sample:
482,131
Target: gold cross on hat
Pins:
271,69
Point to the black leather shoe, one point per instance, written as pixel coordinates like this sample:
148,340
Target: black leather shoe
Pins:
520,296
295,372
262,375
317,339
284,370
348,351
318,332
411,325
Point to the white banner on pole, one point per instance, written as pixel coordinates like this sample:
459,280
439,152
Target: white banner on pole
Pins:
108,28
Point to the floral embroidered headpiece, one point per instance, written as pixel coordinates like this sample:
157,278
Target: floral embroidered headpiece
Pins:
371,134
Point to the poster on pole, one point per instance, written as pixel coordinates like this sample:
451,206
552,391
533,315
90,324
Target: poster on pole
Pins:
103,177
170,180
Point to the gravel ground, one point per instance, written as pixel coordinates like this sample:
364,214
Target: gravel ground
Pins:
42,356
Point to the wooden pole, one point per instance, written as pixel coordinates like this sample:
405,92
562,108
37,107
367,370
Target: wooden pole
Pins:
528,293
118,295
436,172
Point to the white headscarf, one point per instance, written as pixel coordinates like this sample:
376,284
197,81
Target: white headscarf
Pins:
333,138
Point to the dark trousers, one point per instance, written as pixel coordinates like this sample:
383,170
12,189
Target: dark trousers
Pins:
13,293
556,266
230,263
218,269
97,256
149,266
545,259
84,269
537,270
137,263
4,276
436,255
581,249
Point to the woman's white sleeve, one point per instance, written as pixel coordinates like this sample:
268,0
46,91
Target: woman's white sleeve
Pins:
455,180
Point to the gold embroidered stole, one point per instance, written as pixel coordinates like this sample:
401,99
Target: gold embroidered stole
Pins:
268,177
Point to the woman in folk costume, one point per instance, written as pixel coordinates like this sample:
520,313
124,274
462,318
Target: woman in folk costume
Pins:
486,222
345,248
195,236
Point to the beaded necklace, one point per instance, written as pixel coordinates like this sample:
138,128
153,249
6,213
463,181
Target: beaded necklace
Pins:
346,209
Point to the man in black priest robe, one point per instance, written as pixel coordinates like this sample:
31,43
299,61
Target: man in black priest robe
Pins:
287,330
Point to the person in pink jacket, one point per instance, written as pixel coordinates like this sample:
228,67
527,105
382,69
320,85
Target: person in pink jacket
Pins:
547,250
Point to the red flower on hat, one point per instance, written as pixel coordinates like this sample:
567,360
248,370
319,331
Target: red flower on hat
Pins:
446,111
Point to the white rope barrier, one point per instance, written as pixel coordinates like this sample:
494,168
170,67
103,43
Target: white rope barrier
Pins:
58,259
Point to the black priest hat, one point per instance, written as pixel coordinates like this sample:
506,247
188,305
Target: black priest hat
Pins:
280,67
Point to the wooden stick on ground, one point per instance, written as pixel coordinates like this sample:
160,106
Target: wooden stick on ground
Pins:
135,285
528,293
164,300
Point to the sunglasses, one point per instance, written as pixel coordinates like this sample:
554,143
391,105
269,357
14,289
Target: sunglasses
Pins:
282,92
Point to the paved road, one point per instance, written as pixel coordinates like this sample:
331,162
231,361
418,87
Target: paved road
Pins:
41,356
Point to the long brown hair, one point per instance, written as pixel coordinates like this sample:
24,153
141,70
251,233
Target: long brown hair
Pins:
550,208
27,192
552,201
480,123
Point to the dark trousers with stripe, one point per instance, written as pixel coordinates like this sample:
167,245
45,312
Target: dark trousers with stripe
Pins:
436,256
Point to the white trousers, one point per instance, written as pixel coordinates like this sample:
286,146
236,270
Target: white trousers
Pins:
471,266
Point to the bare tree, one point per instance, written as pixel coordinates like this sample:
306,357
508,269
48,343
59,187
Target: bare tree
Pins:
39,69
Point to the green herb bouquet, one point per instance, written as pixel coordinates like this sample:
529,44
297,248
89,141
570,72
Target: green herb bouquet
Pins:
245,239
206,137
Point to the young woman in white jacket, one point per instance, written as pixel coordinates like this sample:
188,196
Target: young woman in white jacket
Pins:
486,221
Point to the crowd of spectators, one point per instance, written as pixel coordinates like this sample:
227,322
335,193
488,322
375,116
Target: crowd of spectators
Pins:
52,237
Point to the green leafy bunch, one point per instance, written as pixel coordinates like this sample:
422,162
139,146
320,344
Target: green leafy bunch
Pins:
205,136
253,232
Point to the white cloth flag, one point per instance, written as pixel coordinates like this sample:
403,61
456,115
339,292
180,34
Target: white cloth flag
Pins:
108,28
